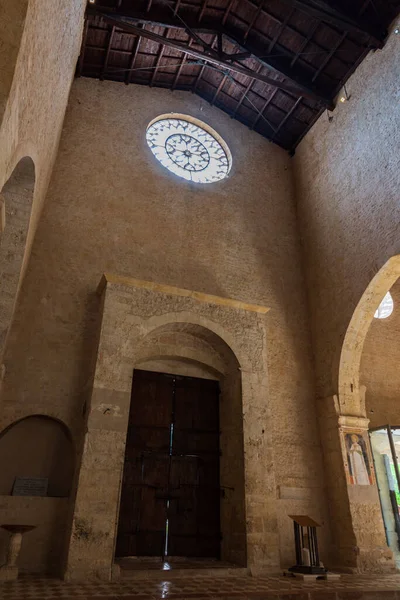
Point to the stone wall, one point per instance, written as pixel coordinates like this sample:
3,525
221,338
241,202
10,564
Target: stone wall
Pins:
112,207
39,51
12,20
347,178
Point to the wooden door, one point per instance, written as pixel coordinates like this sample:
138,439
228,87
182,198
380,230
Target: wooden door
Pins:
170,501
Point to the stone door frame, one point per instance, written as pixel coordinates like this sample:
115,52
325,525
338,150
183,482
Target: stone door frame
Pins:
132,311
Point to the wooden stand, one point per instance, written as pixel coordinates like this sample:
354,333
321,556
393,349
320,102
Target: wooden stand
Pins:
307,555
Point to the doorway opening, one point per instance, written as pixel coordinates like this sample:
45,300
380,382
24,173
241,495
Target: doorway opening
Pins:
170,497
385,442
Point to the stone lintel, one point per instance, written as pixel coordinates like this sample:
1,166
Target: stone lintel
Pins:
109,278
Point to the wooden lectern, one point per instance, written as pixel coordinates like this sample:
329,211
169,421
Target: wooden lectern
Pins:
305,538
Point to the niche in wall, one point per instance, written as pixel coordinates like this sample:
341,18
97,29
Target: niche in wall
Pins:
37,446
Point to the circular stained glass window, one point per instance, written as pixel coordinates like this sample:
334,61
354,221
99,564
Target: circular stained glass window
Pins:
189,148
385,308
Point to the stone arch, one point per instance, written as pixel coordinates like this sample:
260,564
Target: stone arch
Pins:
16,199
192,319
351,393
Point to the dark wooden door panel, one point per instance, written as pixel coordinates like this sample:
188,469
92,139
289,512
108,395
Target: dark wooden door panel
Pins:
194,521
143,511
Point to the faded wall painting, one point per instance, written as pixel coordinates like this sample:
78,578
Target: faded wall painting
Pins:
357,457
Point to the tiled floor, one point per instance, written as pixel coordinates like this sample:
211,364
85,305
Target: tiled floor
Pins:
192,588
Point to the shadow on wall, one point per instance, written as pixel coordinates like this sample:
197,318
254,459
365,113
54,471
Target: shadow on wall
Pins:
12,23
15,206
37,447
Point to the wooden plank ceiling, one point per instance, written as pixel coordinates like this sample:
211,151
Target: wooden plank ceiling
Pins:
274,65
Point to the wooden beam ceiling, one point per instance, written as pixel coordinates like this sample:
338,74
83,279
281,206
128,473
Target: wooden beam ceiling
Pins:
298,82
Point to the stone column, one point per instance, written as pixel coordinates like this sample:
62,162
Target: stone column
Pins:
356,518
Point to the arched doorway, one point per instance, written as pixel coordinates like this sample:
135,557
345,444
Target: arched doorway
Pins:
180,495
145,324
15,204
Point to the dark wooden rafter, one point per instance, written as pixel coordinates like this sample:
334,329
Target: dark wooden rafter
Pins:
219,88
244,93
202,10
227,11
287,116
202,69
158,61
305,43
329,56
295,84
279,31
325,11
262,111
107,56
135,51
254,19
176,7
180,67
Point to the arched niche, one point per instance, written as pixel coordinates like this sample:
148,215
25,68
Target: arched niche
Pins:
37,447
190,349
351,391
15,205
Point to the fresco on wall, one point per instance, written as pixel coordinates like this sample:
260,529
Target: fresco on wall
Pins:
357,457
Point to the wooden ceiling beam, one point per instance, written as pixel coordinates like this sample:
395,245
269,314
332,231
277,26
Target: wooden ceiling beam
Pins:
227,11
219,88
262,111
297,83
158,61
329,13
287,117
132,61
202,68
107,56
244,94
256,14
180,67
